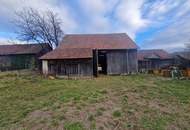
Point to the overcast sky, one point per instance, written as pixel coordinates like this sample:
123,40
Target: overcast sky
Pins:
161,24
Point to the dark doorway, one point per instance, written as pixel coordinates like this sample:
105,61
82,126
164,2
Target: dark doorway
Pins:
102,62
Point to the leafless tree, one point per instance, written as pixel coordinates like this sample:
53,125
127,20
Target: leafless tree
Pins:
40,27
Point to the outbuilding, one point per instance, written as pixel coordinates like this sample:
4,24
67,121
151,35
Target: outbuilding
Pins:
21,56
153,59
92,54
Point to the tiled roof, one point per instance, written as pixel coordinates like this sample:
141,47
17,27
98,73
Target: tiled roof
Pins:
98,41
154,53
21,49
70,53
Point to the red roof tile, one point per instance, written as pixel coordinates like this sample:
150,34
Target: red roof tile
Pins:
21,49
70,53
158,53
98,41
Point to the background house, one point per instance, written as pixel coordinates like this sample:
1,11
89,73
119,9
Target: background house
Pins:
91,54
153,59
21,56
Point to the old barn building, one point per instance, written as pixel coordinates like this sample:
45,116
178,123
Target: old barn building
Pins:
153,59
91,54
21,56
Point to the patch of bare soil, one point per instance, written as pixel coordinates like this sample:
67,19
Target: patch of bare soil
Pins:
165,108
92,116
98,115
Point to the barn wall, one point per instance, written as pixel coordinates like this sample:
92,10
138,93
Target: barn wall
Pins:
144,65
115,62
155,64
14,62
133,62
163,63
121,61
77,67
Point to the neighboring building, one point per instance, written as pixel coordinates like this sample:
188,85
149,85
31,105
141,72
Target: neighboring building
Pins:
153,59
21,56
91,54
182,59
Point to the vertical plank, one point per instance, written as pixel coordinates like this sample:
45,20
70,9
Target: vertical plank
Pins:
95,63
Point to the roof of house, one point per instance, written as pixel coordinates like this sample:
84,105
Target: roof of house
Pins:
70,53
153,54
98,41
81,45
21,49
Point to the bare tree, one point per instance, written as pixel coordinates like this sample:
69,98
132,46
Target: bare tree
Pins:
41,27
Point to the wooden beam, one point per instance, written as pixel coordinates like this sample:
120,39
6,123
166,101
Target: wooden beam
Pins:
95,63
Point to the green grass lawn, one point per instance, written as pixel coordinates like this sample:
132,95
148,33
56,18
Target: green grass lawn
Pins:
28,101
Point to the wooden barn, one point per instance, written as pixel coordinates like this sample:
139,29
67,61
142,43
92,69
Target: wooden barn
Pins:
153,59
21,56
92,54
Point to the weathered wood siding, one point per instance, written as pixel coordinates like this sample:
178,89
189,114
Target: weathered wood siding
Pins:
22,61
133,62
154,64
121,61
74,67
14,62
118,62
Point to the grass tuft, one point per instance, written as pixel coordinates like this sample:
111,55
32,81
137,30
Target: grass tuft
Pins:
117,113
74,126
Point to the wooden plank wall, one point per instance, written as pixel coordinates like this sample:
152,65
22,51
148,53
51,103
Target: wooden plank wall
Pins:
133,62
116,62
16,62
78,67
121,61
155,64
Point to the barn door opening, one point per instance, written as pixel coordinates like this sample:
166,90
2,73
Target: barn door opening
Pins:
102,62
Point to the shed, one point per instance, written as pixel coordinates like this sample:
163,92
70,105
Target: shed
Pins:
153,59
21,56
92,54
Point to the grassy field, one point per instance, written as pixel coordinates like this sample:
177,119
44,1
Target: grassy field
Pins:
28,101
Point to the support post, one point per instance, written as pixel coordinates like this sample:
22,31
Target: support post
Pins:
95,62
45,67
